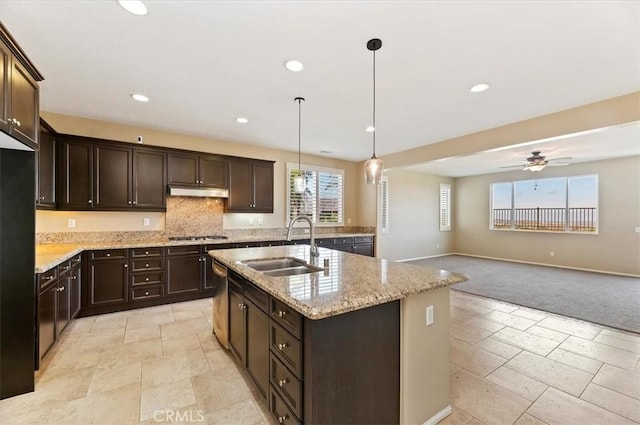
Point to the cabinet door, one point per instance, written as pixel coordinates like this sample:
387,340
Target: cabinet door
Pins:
213,171
24,105
363,249
257,340
5,74
184,274
46,170
47,319
240,186
149,179
183,170
112,177
107,282
77,175
75,292
64,303
236,324
263,187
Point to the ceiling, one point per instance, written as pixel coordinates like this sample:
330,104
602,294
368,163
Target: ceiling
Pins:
607,143
205,63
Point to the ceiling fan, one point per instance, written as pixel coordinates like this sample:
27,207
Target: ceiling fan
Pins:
537,162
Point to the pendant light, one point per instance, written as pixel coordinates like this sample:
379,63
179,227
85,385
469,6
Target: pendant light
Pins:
298,180
373,166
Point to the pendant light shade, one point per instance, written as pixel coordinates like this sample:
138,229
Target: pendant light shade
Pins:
373,166
298,180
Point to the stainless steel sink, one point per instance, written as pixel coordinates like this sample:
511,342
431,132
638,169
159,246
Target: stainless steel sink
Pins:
285,266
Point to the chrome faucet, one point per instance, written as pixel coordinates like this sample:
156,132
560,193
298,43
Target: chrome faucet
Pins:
314,248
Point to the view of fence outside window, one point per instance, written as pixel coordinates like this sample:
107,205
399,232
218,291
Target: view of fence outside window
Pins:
561,204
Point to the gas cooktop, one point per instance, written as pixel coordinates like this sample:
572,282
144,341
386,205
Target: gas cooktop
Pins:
196,238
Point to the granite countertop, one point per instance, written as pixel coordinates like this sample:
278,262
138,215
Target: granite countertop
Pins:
51,254
351,282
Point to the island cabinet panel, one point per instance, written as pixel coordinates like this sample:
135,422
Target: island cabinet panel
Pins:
236,320
250,186
352,367
75,285
46,320
257,346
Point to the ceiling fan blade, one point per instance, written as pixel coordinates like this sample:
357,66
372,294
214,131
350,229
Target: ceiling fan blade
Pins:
514,166
557,164
563,159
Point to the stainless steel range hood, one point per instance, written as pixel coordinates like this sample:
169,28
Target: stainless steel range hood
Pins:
199,192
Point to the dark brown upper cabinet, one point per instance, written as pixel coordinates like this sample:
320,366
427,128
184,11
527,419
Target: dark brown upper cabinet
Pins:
19,92
46,169
197,170
250,186
111,176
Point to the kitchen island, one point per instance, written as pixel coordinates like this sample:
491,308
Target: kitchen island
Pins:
346,344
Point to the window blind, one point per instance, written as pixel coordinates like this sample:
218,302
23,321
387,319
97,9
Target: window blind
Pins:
445,207
323,197
384,204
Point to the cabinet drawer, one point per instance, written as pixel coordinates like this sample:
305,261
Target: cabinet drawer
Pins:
280,410
64,267
152,263
288,318
248,244
272,243
147,292
48,276
343,241
184,250
287,348
146,252
324,242
147,278
76,260
258,296
108,254
286,383
364,239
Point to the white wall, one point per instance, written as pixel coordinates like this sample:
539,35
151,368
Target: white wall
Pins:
414,229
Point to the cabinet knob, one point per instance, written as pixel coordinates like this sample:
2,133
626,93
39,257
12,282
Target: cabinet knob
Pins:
49,277
281,382
90,201
282,346
146,253
135,203
146,265
126,265
129,202
74,277
146,292
241,306
108,254
281,419
281,313
146,279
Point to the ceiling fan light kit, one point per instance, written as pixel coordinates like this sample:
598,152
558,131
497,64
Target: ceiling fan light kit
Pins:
536,162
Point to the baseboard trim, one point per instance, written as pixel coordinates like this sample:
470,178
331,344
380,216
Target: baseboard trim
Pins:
440,415
424,258
545,264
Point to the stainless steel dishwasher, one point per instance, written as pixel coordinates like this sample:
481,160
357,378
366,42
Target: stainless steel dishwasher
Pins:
221,304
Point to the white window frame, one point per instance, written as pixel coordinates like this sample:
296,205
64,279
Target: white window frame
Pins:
567,219
446,211
315,169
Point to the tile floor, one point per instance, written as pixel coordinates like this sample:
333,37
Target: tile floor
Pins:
509,365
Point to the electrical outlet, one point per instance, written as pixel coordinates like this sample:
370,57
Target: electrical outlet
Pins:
552,253
146,222
260,221
251,222
71,223
429,315
437,246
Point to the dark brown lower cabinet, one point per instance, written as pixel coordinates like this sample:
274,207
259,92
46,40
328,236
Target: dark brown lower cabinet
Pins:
257,346
107,282
47,319
236,320
64,304
75,292
363,249
184,274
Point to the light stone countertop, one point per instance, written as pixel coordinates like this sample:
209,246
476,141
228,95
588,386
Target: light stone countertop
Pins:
351,282
49,255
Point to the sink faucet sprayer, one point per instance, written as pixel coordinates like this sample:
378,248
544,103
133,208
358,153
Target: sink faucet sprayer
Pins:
314,248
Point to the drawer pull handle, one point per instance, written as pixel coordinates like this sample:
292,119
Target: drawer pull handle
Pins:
146,253
74,277
108,254
281,419
146,265
242,306
49,277
282,382
146,292
281,313
282,346
147,279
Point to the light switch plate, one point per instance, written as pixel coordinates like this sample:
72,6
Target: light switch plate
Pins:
71,223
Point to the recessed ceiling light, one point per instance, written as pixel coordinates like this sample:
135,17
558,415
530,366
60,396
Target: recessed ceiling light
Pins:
135,7
479,87
242,120
294,66
140,97
370,129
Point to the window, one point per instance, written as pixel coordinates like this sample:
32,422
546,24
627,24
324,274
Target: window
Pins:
445,207
562,204
322,199
384,204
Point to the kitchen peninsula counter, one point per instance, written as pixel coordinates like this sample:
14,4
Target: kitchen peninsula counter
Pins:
350,282
51,254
